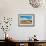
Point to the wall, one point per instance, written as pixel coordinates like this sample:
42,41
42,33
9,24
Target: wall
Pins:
11,8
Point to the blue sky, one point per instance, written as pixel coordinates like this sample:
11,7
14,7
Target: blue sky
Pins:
26,17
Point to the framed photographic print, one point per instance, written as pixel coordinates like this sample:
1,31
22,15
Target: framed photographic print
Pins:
26,20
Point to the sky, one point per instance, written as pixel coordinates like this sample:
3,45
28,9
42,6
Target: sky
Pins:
26,17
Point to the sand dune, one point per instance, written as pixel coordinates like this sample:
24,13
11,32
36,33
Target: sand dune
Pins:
26,22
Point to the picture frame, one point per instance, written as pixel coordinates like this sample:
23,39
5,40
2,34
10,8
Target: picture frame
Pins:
26,20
